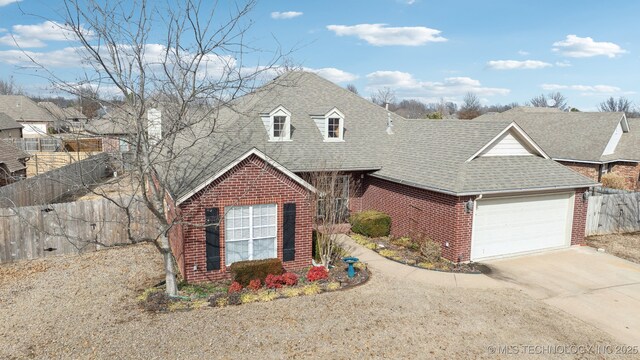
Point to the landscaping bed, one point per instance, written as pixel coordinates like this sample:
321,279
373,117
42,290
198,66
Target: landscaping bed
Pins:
420,253
626,246
311,281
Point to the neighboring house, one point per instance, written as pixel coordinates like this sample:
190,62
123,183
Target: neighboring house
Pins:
67,119
591,143
9,128
12,163
35,120
116,136
481,189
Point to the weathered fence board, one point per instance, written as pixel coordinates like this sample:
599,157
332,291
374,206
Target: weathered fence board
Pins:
613,213
69,228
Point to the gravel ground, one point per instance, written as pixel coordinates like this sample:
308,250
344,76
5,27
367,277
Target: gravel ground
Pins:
84,307
626,246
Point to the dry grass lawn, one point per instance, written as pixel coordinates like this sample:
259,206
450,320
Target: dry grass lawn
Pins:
626,246
84,307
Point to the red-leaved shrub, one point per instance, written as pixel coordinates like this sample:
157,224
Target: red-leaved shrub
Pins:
317,273
290,279
254,284
235,287
274,281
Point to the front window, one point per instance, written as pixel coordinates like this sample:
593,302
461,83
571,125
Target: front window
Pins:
333,131
279,126
250,232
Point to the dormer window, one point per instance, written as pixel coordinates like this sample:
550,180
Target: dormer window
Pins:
278,124
333,128
333,123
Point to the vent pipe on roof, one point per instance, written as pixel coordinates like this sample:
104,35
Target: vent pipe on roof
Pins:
389,124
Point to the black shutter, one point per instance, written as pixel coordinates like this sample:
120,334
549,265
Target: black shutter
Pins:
212,220
289,232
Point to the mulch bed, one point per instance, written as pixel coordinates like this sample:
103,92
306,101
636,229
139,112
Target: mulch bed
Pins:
215,294
407,253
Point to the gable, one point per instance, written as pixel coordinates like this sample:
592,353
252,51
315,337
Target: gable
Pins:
508,144
614,140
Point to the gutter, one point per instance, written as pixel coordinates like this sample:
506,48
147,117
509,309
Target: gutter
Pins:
595,162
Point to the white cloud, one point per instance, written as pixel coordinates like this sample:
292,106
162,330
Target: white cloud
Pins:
382,35
407,86
563,64
587,90
523,53
7,2
285,15
68,57
515,64
36,35
334,75
577,47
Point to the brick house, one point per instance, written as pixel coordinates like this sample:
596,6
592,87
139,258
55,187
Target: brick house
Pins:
591,143
482,189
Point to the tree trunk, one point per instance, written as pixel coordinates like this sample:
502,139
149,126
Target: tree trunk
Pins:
169,269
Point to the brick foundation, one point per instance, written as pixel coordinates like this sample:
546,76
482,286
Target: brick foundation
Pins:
251,182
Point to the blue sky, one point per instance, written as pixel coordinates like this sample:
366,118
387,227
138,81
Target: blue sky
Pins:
504,51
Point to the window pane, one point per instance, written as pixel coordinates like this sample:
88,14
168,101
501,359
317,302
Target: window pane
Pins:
278,125
237,251
334,128
264,249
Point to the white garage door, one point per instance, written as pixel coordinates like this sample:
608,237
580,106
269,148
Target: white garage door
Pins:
512,225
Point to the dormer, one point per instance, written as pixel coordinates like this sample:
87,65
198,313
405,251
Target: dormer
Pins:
278,124
512,141
331,125
622,127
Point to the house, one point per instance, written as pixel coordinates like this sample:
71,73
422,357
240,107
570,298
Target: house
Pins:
591,143
116,135
13,163
9,128
68,119
481,189
35,120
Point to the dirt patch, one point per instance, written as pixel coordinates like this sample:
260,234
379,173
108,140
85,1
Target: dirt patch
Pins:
85,307
626,246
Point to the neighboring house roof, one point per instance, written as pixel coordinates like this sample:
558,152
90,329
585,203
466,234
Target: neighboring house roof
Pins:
61,114
11,156
431,154
107,127
23,109
7,123
579,136
629,145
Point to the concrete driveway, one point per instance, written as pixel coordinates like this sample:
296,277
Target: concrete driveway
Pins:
598,288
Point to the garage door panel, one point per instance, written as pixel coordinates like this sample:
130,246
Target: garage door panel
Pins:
504,226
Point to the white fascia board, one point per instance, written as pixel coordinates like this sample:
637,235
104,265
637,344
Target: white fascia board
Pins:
237,161
528,141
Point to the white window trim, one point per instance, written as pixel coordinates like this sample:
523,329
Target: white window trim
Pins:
286,131
334,113
251,238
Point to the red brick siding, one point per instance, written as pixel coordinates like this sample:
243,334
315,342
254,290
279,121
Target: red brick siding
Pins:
413,211
630,172
579,218
249,183
591,171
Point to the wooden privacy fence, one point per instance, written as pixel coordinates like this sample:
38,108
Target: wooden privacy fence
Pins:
70,228
613,213
42,162
56,184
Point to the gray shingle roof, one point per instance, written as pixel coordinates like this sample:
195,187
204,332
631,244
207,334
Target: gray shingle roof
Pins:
424,153
629,146
580,136
10,156
23,109
7,123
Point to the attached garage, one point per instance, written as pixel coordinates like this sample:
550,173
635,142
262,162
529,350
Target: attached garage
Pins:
519,224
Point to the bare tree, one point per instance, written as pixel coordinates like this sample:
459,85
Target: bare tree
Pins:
331,201
412,109
9,87
551,100
353,89
168,93
613,105
470,108
383,97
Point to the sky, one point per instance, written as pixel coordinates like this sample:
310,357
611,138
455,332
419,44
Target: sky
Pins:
503,51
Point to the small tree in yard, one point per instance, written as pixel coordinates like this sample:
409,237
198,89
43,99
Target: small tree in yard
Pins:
191,71
331,210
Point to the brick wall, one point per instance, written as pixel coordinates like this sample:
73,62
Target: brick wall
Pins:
589,170
579,218
249,183
415,211
630,172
